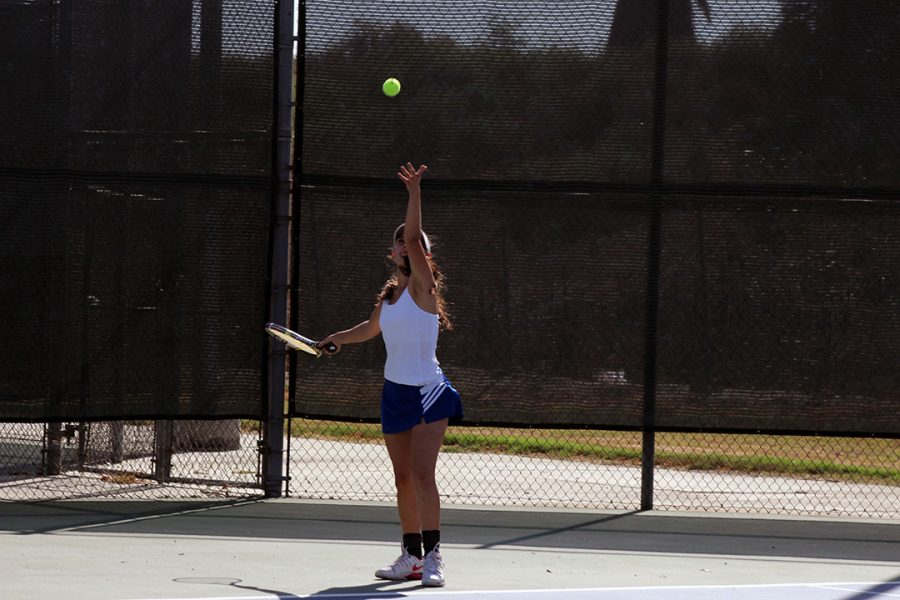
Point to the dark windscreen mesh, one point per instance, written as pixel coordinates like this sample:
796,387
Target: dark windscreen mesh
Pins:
766,135
522,304
779,314
135,193
493,91
799,93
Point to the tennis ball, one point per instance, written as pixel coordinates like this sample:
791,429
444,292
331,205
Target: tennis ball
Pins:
390,87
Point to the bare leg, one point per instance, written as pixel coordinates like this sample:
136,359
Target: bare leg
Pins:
399,447
427,439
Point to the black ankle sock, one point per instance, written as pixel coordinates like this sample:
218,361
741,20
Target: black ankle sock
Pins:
413,544
431,538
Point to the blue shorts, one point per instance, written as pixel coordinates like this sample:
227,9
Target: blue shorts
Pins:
405,406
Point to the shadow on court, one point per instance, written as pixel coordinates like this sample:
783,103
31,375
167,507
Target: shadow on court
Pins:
292,549
482,529
382,589
235,584
61,515
883,589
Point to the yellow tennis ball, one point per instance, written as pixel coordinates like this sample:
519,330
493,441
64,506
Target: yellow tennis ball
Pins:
390,87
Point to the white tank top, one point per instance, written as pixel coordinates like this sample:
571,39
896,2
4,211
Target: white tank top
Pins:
410,337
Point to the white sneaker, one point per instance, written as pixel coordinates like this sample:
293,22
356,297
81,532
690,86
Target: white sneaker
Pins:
405,567
433,570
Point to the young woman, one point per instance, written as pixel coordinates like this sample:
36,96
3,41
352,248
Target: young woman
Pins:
417,401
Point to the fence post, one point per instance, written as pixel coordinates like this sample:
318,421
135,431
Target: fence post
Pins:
53,444
654,250
273,428
162,450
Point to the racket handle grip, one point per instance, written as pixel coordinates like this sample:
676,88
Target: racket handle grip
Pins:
329,348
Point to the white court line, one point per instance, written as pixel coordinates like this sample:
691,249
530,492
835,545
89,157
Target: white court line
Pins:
837,586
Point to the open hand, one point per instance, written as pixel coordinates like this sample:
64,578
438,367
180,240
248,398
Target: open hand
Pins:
411,176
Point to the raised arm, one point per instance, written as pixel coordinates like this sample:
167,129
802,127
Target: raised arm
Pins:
421,278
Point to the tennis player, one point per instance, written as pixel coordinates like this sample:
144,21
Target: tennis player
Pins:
417,401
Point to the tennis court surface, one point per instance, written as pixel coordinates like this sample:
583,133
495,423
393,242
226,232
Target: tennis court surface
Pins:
287,549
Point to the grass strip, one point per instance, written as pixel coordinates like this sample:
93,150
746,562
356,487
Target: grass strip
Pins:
727,452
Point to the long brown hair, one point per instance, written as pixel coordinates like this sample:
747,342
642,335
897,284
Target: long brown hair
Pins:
390,286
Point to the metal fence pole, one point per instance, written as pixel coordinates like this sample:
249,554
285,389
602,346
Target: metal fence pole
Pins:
648,446
162,450
53,448
273,428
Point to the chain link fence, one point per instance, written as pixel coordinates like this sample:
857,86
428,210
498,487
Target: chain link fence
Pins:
573,468
150,131
486,466
129,459
638,233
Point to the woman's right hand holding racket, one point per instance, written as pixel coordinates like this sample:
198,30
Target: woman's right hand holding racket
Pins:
329,346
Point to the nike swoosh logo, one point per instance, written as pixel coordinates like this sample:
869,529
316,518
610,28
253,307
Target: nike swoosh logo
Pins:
416,568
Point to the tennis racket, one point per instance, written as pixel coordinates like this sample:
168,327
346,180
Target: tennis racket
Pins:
296,341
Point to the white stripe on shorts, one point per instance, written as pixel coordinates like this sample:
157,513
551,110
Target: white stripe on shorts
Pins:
429,397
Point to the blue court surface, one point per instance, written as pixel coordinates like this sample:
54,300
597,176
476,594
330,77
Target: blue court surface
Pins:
291,549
